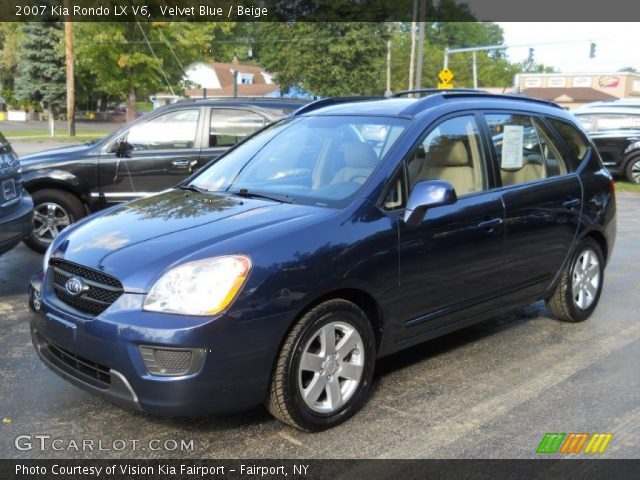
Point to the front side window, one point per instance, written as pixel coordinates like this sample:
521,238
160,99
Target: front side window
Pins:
229,126
169,131
315,160
451,152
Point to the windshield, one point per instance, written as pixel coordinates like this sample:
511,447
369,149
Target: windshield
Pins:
312,160
602,122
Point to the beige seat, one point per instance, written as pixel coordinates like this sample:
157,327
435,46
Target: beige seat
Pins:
360,159
532,169
451,164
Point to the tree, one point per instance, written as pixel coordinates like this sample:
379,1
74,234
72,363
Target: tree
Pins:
129,60
327,59
10,35
41,69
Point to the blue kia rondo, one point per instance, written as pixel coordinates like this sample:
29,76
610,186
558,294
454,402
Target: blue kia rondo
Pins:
347,231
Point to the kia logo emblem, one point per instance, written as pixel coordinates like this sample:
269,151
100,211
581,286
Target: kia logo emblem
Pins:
76,286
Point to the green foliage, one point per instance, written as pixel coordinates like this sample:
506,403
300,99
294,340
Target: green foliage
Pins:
117,60
327,59
41,76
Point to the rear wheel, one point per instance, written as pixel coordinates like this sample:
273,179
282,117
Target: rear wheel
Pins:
633,170
53,211
578,291
323,373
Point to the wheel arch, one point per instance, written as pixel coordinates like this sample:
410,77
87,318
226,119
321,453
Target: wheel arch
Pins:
56,180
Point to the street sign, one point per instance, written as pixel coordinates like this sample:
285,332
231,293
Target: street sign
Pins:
444,85
445,75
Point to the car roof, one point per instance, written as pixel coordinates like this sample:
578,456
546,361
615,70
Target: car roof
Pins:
599,110
404,106
265,104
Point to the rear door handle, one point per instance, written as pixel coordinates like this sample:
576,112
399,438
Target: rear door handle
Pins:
490,223
571,203
180,163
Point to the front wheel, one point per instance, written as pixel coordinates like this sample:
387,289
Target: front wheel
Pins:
633,170
53,211
578,291
323,373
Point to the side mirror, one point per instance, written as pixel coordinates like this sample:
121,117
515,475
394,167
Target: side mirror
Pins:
123,149
425,195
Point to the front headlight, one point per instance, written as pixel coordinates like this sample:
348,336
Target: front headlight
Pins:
204,287
46,258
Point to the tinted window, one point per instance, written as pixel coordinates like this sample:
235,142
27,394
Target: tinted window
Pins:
451,152
554,161
318,160
518,148
229,126
575,140
173,130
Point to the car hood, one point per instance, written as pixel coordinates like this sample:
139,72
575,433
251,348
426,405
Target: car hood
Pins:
56,154
138,241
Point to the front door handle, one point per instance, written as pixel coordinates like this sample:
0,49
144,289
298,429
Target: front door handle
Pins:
181,163
571,203
489,223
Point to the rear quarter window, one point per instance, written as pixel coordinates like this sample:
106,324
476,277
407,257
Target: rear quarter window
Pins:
574,139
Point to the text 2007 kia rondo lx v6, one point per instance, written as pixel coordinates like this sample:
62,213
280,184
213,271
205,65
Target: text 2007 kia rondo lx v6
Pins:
345,232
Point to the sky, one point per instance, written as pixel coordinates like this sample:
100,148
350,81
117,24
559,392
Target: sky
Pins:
565,46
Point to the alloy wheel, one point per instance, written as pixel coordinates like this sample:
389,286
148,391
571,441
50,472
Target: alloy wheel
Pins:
331,367
49,219
585,279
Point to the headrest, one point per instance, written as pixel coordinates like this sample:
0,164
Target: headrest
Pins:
457,156
360,155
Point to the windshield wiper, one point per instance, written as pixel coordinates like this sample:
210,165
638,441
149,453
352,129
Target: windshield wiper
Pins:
191,187
243,192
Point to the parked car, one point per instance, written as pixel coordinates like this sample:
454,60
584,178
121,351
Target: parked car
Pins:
280,273
153,153
615,129
16,207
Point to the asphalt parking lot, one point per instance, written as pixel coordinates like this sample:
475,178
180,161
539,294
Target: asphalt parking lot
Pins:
490,391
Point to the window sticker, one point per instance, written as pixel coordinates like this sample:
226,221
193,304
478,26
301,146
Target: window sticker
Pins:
512,141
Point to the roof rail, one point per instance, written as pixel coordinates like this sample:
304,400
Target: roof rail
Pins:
432,91
457,93
515,96
325,102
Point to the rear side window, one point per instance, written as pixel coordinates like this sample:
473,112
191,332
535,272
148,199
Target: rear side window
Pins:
518,148
578,145
230,125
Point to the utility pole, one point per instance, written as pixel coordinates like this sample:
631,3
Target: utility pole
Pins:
423,12
388,92
475,71
69,57
412,57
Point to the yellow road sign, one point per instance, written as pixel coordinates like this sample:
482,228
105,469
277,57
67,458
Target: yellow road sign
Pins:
444,85
445,75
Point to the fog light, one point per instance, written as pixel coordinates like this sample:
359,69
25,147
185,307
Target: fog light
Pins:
171,361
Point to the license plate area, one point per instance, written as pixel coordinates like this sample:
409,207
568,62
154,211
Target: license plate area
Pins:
9,189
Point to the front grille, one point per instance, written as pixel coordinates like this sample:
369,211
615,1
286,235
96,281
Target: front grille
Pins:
81,365
102,291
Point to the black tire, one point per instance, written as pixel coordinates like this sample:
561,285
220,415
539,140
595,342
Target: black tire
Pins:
563,303
285,400
632,170
68,203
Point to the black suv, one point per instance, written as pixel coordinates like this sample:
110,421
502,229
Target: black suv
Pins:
152,154
615,129
16,207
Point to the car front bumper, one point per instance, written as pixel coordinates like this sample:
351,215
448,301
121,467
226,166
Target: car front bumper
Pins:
16,225
102,354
